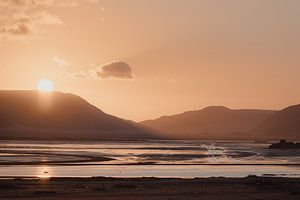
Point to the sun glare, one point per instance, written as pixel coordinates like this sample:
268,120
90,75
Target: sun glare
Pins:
45,85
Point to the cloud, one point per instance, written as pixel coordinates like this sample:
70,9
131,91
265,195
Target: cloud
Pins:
80,74
25,19
25,26
115,70
60,61
27,4
36,3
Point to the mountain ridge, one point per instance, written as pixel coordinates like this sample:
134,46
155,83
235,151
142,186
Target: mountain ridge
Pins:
43,115
213,122
30,114
285,121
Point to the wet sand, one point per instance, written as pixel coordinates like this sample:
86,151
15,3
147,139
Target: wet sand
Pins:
255,188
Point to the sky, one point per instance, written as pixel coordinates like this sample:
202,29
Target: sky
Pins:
141,59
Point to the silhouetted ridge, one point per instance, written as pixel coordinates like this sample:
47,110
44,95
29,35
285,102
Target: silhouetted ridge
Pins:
216,109
33,114
284,123
214,122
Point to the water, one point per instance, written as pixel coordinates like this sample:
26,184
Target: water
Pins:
178,158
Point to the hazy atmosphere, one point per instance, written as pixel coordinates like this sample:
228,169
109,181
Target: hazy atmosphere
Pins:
150,99
140,59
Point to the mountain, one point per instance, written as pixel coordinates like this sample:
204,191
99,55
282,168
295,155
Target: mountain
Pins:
56,115
215,122
282,124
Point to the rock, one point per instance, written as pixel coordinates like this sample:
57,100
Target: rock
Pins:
283,144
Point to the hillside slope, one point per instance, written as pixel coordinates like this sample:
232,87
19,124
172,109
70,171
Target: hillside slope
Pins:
284,124
215,122
56,115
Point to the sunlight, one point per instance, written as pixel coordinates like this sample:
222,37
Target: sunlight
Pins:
44,173
45,85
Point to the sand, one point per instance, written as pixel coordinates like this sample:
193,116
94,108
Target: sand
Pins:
255,188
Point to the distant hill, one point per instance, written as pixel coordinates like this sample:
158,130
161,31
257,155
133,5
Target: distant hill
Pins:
215,122
284,124
56,115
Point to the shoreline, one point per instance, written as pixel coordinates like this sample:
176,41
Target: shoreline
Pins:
65,163
92,188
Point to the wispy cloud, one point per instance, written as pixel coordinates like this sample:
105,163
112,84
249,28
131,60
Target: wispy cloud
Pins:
34,3
21,26
60,61
25,19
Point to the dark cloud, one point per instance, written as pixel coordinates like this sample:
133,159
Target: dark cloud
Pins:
115,70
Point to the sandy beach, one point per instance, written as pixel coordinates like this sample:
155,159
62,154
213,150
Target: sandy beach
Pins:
150,188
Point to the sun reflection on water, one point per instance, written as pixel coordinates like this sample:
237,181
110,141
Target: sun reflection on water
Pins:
44,172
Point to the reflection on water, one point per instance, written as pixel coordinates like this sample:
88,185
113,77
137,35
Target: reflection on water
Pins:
44,172
47,159
150,171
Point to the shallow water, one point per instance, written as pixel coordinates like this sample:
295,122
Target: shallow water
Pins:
149,171
167,159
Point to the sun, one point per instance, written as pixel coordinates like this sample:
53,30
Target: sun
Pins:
45,85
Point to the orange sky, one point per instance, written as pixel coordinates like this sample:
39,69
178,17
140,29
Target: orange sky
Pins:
140,59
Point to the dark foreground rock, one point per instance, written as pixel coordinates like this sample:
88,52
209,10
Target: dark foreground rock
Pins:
283,144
